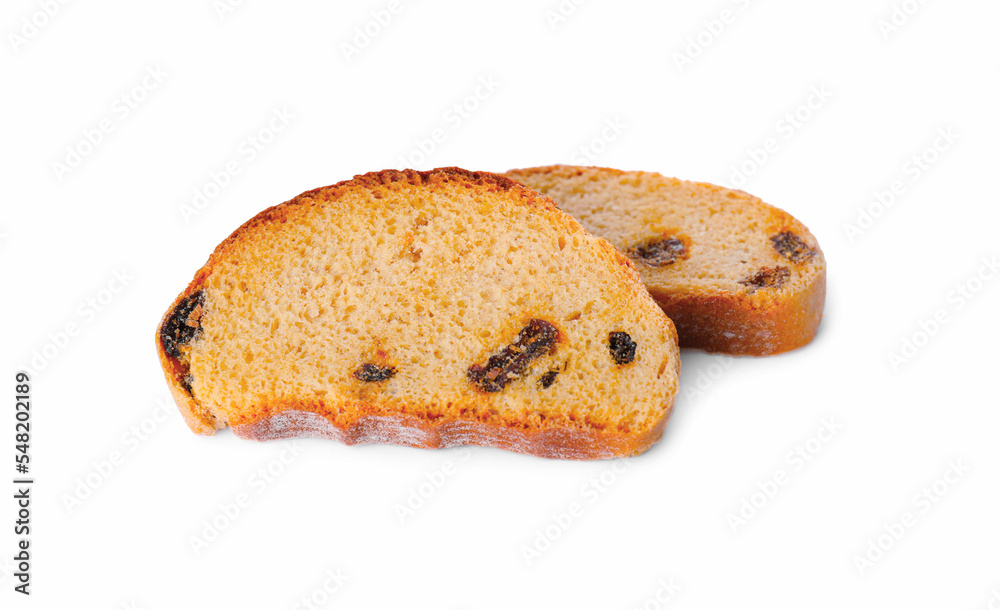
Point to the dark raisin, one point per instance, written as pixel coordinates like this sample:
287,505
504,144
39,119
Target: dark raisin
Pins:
535,340
767,277
186,382
548,378
661,252
374,372
792,247
183,324
622,347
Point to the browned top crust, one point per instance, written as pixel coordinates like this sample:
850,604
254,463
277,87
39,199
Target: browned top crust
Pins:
388,177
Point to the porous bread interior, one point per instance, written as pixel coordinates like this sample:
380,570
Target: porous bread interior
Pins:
728,230
428,279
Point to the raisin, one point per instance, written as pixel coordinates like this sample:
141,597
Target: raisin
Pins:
622,347
535,340
661,252
767,277
186,382
548,378
374,372
792,247
184,323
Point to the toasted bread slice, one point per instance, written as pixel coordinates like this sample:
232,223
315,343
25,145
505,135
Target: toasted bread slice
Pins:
428,309
734,274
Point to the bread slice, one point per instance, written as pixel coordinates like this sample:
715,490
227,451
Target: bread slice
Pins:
427,309
734,274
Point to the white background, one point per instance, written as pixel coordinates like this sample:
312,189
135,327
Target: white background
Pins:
696,92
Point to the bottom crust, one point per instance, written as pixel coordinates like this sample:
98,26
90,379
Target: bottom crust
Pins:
555,443
725,323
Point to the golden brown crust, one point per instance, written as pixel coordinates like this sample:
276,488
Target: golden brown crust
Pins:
200,420
410,431
374,423
284,212
736,323
732,324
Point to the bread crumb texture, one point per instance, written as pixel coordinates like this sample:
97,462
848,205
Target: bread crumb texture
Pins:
429,309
